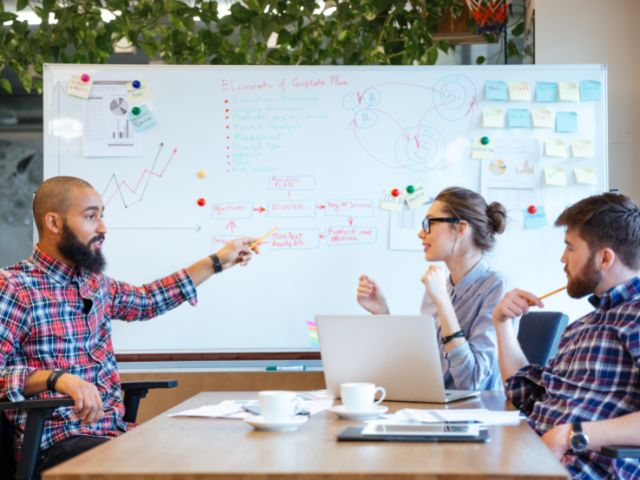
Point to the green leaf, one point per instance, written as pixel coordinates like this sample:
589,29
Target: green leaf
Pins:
6,85
480,60
21,4
518,30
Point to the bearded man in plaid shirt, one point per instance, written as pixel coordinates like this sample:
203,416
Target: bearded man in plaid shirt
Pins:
588,396
55,314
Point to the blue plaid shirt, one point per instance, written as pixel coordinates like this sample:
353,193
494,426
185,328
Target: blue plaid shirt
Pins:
595,375
44,325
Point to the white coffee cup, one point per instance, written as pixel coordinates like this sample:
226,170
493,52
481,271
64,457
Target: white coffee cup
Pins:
279,405
361,397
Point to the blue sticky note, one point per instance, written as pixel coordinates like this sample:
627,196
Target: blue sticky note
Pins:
496,90
546,92
141,119
566,122
535,220
590,91
518,118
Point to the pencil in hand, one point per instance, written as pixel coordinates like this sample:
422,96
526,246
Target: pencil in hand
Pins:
552,292
261,239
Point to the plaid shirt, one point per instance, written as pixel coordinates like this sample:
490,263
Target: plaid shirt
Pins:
43,327
595,375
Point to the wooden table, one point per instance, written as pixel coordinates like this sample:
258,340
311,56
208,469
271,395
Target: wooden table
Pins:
199,448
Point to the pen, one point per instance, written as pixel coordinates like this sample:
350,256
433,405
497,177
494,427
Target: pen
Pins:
259,240
286,368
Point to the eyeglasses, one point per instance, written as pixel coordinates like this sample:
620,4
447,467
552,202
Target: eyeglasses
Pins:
426,223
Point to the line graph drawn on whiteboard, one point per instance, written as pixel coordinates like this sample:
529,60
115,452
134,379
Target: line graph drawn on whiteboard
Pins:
418,144
132,195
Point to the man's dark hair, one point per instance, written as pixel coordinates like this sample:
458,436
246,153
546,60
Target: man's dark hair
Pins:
608,220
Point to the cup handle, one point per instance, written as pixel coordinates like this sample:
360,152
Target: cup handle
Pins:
298,405
383,393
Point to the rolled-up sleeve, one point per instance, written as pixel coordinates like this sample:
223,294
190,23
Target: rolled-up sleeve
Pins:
473,364
14,326
128,302
525,388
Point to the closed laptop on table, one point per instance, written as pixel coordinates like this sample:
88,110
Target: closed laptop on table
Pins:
397,352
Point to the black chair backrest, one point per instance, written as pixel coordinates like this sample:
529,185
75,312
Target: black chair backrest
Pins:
539,335
7,460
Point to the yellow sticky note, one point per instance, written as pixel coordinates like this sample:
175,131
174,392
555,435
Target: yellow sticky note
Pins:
555,175
417,198
493,117
519,92
80,86
542,118
582,148
137,91
391,203
555,147
480,150
569,91
586,175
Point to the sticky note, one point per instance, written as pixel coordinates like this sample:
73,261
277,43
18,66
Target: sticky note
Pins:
585,176
582,148
546,92
535,220
555,175
543,118
417,198
518,118
555,147
519,92
137,91
480,151
493,117
568,91
566,122
496,90
391,203
590,91
79,88
143,120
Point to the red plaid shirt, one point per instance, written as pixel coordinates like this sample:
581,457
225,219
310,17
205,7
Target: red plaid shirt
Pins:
43,327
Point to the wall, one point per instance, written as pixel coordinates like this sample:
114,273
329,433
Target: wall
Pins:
595,31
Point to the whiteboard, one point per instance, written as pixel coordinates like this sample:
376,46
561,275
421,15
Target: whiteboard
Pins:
313,151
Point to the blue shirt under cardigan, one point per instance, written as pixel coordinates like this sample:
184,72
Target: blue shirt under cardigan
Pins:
474,364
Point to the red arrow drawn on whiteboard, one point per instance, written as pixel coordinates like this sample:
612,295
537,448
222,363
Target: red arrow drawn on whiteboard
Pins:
321,207
260,209
350,221
231,226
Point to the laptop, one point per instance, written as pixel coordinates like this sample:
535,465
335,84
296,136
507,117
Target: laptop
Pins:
397,352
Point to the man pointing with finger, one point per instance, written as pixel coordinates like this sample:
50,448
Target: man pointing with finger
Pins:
56,309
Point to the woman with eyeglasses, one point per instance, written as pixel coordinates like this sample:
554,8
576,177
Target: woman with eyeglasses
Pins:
459,228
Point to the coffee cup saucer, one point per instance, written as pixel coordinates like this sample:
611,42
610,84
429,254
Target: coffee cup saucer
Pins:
259,423
374,412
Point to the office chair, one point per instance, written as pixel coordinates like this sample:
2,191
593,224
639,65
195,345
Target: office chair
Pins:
539,335
41,409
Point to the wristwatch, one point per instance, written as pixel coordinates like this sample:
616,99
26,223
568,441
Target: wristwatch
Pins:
578,440
448,338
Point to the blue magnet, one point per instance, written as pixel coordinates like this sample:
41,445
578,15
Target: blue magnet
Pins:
136,84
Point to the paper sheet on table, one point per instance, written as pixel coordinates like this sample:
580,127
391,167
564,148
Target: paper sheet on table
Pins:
233,409
486,417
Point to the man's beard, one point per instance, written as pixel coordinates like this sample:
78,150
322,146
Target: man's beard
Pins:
586,282
80,254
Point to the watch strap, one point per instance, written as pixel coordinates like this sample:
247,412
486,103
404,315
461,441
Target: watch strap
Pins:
448,338
52,379
217,265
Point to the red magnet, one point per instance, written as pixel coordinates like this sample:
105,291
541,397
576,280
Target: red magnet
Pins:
201,202
395,192
532,209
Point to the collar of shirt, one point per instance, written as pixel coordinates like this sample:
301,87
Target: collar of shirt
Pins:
621,293
63,274
469,278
